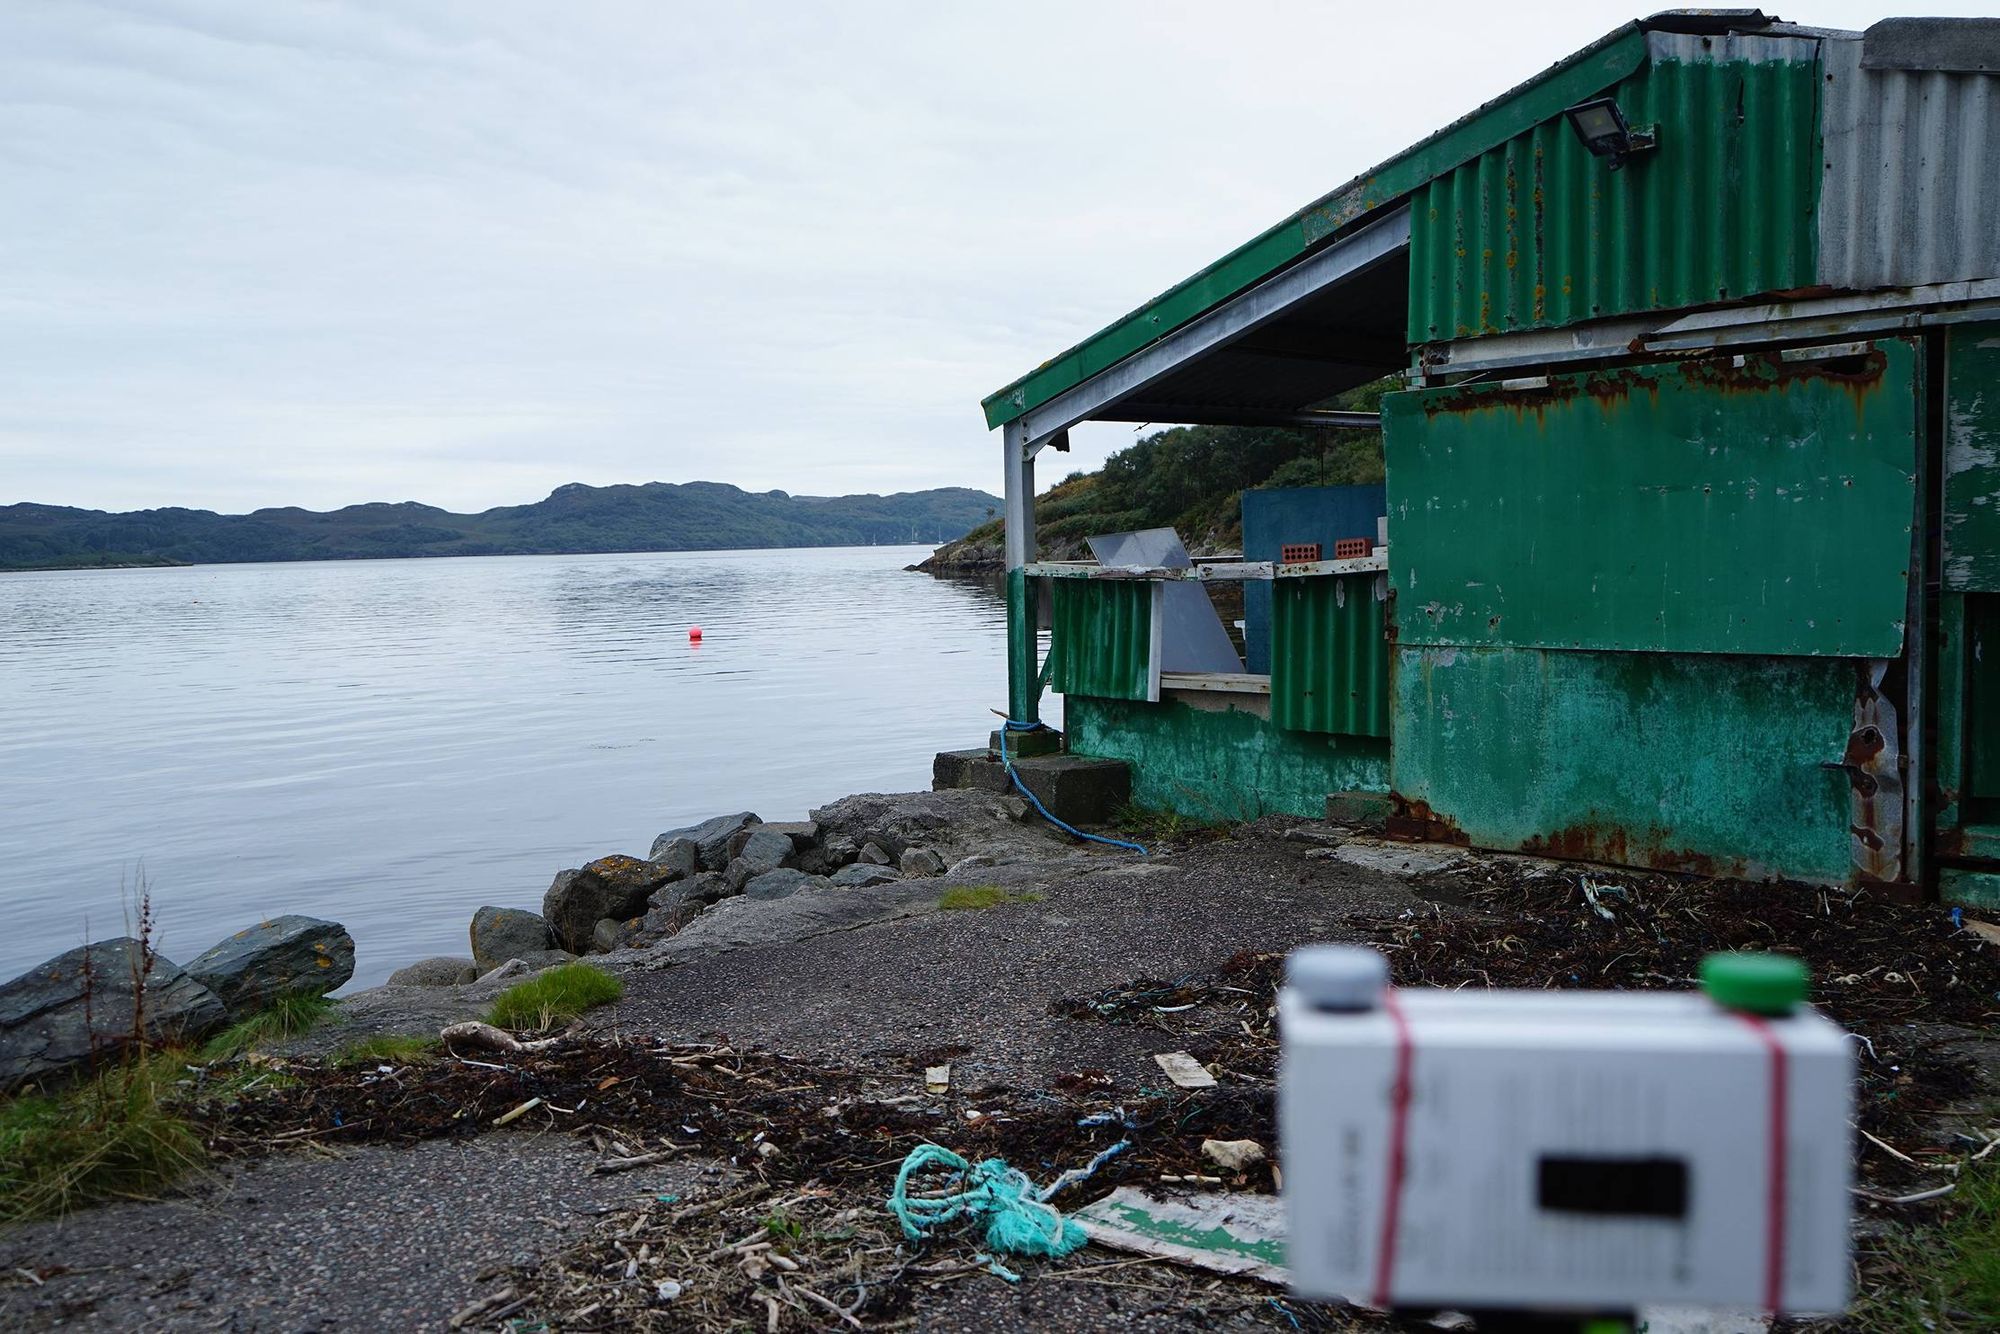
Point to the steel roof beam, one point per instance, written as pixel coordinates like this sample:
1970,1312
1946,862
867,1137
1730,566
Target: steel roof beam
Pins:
1219,328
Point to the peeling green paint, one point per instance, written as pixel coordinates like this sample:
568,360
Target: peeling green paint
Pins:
1971,526
1222,763
1696,762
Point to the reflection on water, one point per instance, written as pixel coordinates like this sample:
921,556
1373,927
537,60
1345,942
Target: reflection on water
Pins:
393,743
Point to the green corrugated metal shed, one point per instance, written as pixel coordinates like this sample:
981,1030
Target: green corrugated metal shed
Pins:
1101,638
1536,233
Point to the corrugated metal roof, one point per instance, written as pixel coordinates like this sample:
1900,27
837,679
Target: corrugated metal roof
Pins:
1911,192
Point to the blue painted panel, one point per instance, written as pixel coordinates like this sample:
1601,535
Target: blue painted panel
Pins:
1279,518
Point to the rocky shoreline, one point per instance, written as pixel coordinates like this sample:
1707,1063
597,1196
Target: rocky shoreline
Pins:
721,1138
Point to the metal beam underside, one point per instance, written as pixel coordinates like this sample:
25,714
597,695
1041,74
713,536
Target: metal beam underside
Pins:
1894,310
1101,394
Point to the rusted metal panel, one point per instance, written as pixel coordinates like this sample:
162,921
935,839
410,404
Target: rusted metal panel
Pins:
1971,518
1329,655
1756,504
1692,762
1101,638
1538,233
1912,181
1873,764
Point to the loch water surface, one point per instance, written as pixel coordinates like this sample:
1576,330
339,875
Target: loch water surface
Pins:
392,744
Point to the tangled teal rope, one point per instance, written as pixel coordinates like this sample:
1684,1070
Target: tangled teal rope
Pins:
1017,1222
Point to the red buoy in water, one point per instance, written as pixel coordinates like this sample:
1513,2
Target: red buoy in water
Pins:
694,634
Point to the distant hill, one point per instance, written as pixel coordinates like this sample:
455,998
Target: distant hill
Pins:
657,516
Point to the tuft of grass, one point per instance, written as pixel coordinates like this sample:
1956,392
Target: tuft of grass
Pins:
553,996
1943,1279
111,1137
286,1017
385,1049
971,898
1162,826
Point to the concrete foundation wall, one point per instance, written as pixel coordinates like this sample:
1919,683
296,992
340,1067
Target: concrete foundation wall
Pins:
1218,756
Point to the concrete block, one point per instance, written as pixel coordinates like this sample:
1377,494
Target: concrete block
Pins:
968,769
1359,810
1076,789
1022,745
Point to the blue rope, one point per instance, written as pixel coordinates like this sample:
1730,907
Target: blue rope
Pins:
1009,725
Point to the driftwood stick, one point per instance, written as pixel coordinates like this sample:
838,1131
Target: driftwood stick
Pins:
474,1034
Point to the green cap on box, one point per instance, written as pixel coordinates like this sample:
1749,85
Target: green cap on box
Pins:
1755,983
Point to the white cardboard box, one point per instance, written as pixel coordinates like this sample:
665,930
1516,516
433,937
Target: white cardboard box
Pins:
1566,1150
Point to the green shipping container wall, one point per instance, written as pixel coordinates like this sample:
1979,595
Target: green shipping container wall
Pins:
1757,504
1537,233
1101,638
1329,655
1701,763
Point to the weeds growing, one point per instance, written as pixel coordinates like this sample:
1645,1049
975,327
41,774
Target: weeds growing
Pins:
963,898
108,1138
1943,1279
286,1017
385,1049
554,996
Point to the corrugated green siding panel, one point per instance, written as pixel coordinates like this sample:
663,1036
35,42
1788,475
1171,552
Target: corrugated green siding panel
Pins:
1693,507
1100,642
1223,762
1982,697
1972,458
1703,763
1329,659
1538,233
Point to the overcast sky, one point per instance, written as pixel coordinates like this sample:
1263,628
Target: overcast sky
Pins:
463,251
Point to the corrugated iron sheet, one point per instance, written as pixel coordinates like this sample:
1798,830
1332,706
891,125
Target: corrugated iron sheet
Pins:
1912,187
1101,639
1329,656
1754,504
1537,233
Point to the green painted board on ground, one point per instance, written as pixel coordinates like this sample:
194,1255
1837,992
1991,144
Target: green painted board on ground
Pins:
1695,762
1692,507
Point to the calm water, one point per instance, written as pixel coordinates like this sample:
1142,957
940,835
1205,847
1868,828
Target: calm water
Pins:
392,744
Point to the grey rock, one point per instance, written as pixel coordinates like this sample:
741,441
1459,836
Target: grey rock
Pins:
525,965
759,846
840,850
874,854
711,837
444,970
44,1030
700,889
500,934
861,874
953,823
669,913
803,833
922,861
812,859
611,934
678,857
290,955
507,971
615,886
781,883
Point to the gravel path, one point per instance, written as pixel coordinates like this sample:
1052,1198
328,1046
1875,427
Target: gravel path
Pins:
376,1239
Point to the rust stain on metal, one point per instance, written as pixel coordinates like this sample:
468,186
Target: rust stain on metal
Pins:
1416,822
1758,371
1590,841
1873,764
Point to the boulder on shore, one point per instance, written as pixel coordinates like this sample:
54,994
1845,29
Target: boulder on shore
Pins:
616,886
780,883
861,874
500,934
85,1005
283,956
679,857
760,846
922,861
444,970
711,837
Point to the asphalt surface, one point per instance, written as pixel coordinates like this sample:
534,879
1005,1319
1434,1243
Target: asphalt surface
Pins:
374,1239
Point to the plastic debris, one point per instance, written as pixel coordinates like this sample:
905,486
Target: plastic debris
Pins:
1233,1155
1185,1070
1016,1220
